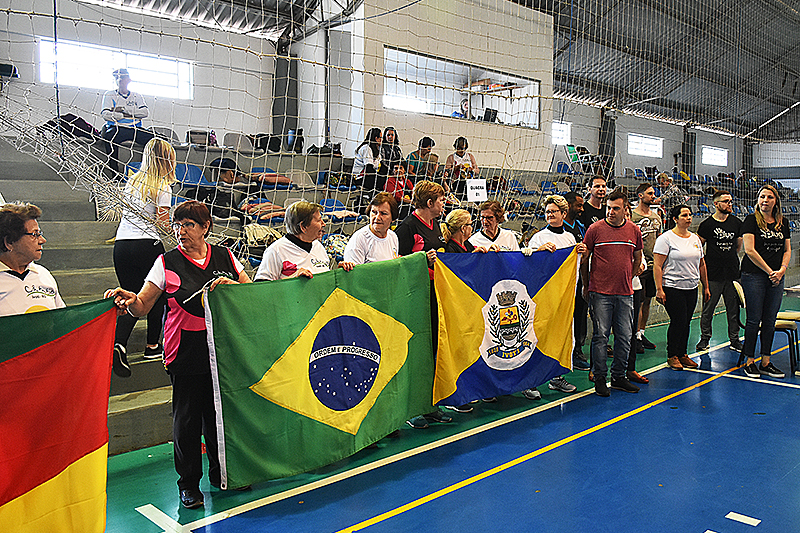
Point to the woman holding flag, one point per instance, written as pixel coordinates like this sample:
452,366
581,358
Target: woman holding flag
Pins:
182,274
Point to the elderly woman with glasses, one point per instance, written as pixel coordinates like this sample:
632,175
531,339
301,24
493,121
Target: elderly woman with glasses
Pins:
21,243
182,274
299,252
491,235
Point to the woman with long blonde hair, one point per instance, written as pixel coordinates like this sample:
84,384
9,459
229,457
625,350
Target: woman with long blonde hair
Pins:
148,197
768,251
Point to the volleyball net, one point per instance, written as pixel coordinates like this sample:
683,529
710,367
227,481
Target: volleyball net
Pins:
284,93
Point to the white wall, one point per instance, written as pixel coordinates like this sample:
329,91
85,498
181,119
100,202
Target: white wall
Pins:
776,155
232,73
585,121
492,38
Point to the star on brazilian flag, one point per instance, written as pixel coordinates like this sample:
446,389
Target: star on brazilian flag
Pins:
309,371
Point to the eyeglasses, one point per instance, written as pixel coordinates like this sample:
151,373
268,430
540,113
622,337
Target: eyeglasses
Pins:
490,217
176,226
35,234
551,212
724,201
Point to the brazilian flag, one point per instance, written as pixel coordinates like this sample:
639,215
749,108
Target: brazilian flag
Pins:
309,371
505,322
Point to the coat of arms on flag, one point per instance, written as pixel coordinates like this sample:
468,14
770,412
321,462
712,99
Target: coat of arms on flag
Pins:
505,322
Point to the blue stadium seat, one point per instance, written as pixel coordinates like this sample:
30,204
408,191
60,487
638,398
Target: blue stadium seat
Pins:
517,187
639,173
563,168
548,187
191,176
332,204
322,177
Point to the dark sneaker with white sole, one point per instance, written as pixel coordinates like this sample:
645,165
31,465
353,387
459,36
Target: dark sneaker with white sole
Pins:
751,371
771,371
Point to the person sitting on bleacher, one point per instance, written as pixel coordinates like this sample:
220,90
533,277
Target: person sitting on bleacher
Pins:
391,154
401,187
368,160
422,164
460,166
299,252
123,111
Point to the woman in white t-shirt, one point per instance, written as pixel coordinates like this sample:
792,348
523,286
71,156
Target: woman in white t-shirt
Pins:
491,235
678,268
299,252
375,241
138,243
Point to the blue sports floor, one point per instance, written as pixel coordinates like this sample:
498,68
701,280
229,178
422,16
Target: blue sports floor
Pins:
707,451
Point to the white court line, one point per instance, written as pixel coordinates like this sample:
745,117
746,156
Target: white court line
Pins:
161,519
262,502
709,531
749,520
747,378
255,504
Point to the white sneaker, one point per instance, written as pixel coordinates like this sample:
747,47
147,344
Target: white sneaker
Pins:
532,394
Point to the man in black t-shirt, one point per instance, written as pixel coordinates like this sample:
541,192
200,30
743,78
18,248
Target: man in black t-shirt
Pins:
594,208
722,235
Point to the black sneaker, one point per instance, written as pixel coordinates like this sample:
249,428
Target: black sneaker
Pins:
771,371
580,364
601,388
154,353
646,344
751,371
191,498
702,346
120,367
638,345
736,346
418,422
623,384
438,416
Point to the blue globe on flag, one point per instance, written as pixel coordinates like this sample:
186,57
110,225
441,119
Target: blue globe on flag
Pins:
344,362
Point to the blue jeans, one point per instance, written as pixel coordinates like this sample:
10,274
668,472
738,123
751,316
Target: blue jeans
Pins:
611,310
763,303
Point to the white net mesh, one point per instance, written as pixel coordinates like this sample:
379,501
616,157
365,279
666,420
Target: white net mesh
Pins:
290,91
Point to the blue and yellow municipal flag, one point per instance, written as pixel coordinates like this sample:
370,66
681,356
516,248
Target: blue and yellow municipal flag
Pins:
505,322
309,371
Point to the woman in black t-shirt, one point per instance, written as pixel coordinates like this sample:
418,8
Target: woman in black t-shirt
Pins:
456,229
767,253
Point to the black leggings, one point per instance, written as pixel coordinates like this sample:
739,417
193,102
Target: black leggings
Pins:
133,259
680,305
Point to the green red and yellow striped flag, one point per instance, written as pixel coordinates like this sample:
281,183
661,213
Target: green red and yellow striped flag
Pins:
55,373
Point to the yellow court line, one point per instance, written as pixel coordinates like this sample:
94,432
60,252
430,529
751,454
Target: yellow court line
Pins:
519,460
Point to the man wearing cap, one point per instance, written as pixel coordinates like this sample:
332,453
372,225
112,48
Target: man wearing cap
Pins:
123,111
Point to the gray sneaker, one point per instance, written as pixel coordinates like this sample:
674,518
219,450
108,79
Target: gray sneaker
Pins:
532,394
562,385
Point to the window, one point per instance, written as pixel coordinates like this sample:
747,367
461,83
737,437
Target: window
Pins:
645,145
425,84
716,157
90,66
562,133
